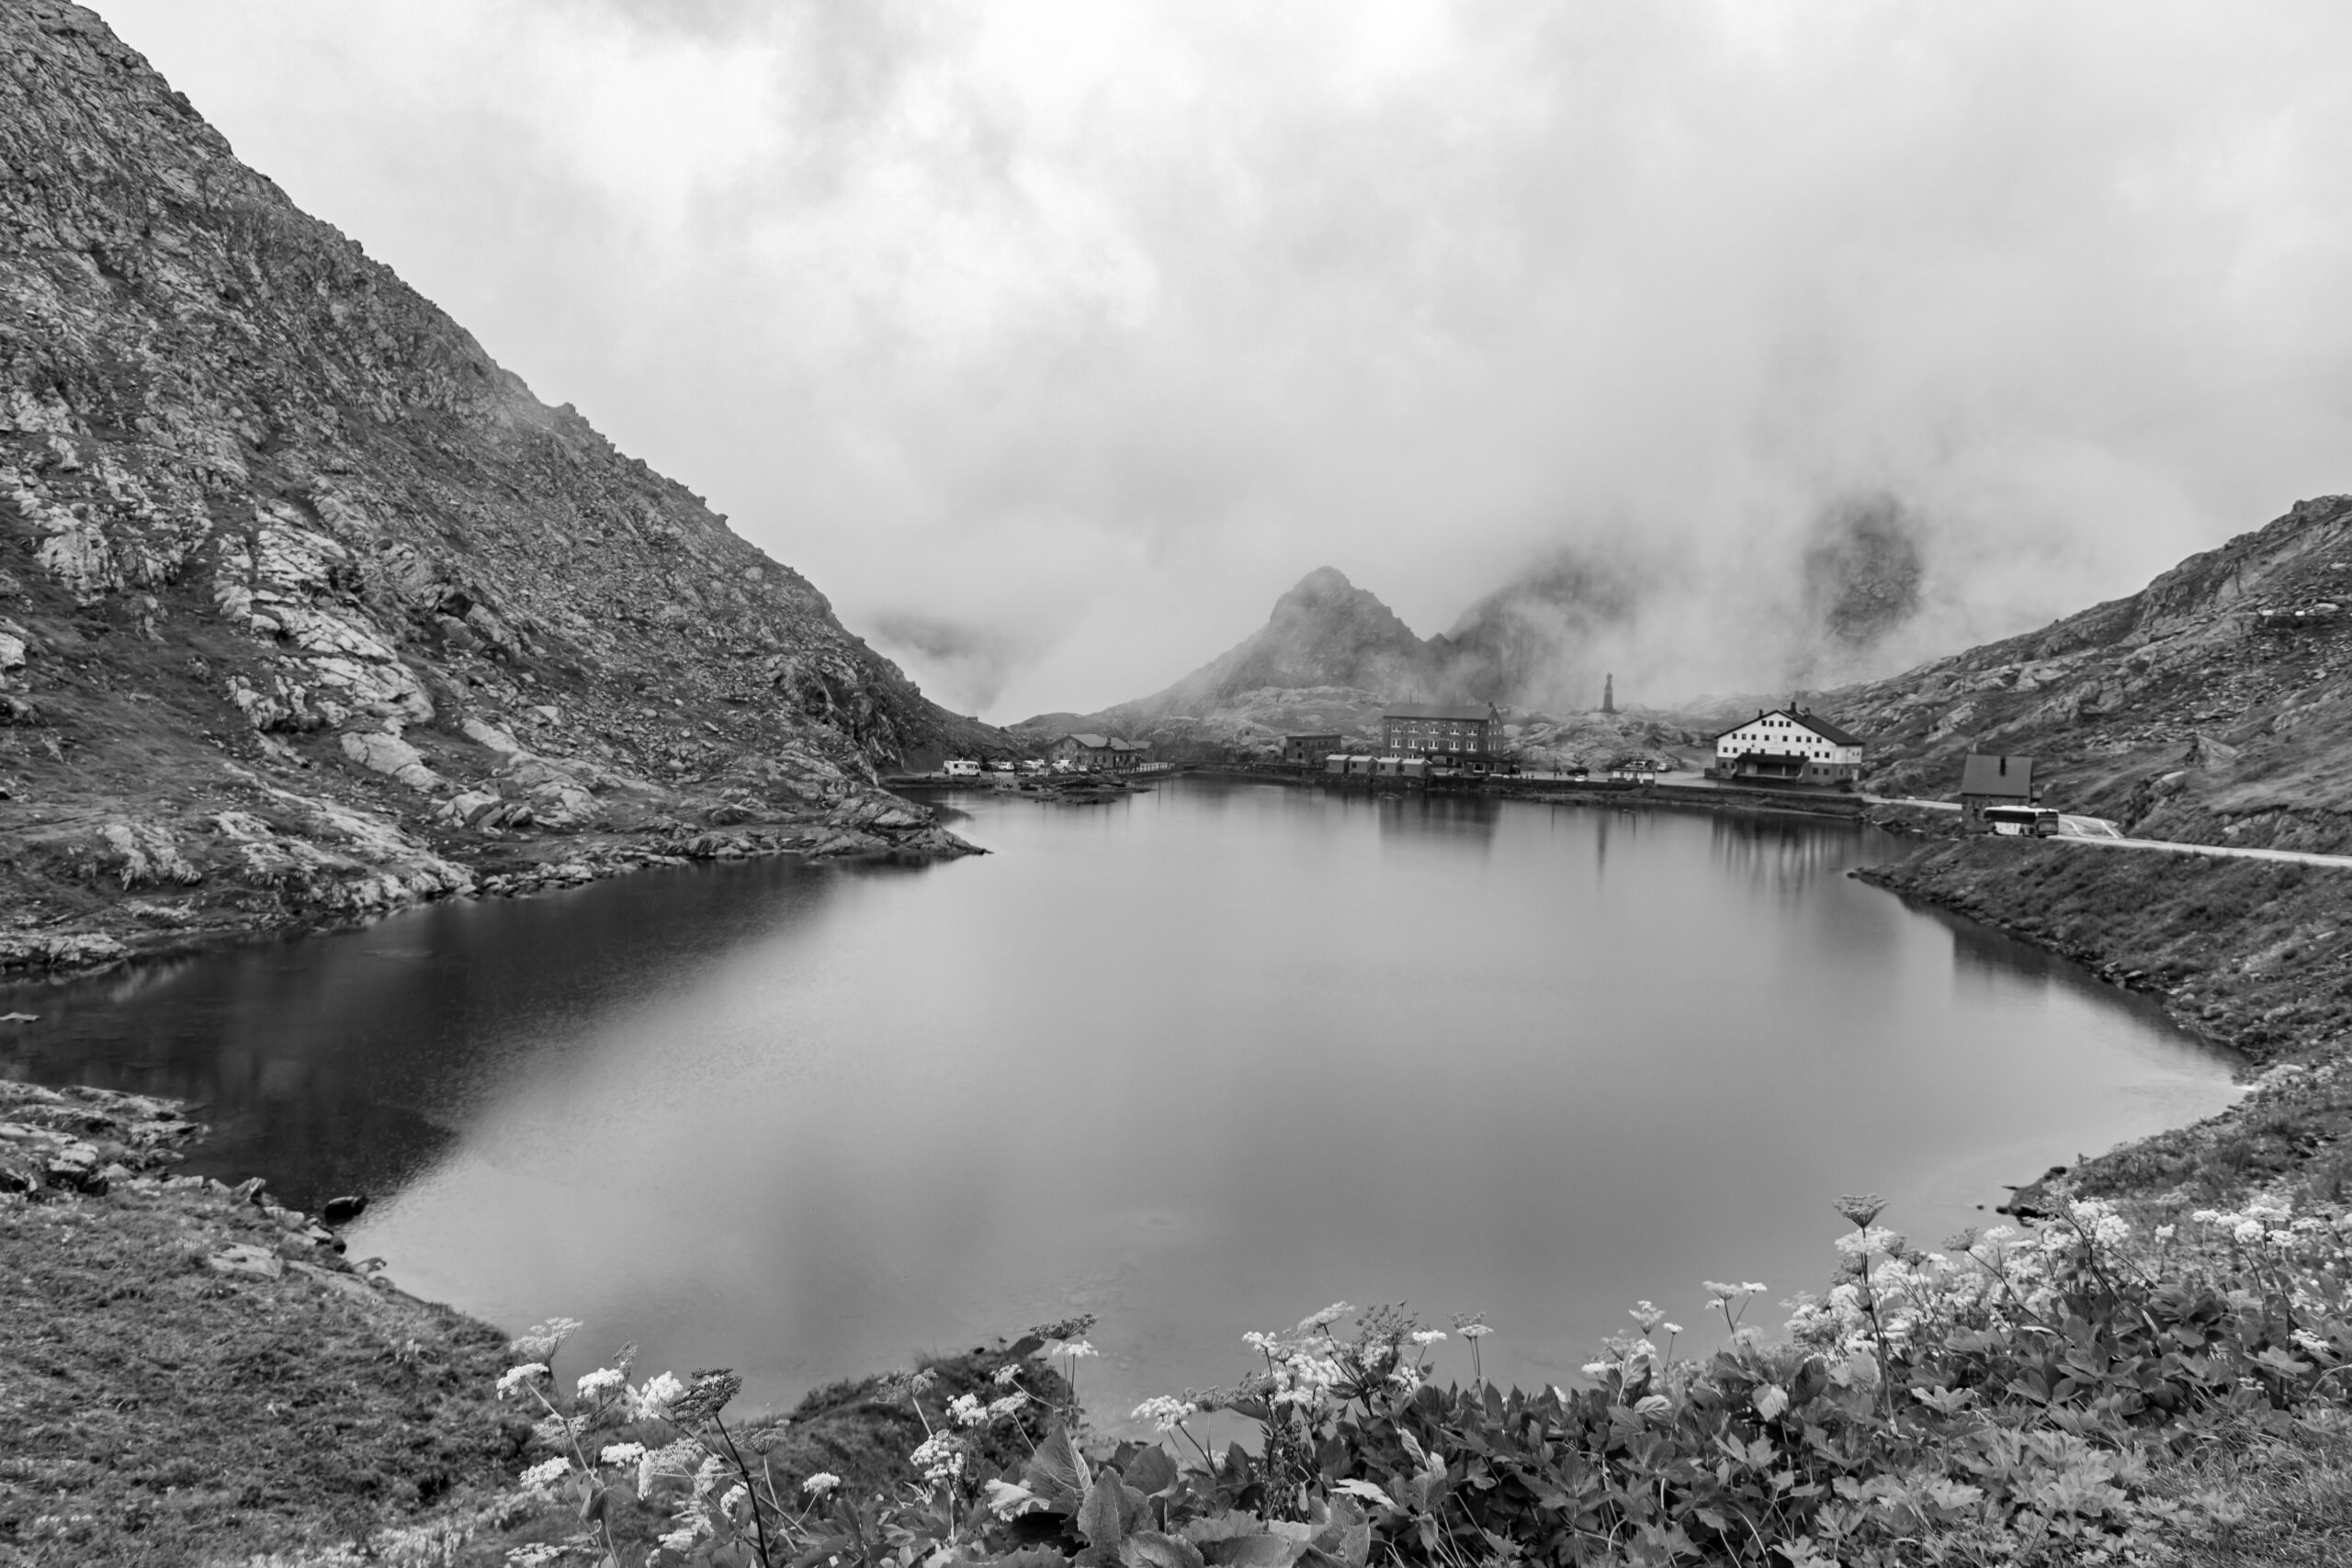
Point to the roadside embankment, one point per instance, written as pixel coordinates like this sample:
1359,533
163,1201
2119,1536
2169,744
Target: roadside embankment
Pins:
2255,955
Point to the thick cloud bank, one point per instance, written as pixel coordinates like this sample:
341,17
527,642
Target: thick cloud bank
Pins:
1053,340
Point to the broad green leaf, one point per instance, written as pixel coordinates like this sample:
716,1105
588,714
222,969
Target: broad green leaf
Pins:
1149,1549
1221,1526
1102,1518
1151,1472
1258,1551
1056,1472
1347,1536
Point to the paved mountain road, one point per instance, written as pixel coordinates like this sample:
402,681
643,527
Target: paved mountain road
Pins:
2101,831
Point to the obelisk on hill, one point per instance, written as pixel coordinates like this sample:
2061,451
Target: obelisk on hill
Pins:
1608,694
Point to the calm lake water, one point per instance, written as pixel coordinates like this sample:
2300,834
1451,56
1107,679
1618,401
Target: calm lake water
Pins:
1199,1061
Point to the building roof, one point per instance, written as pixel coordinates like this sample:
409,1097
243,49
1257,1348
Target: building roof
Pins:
1119,745
1461,711
1092,742
1830,732
1312,735
1998,774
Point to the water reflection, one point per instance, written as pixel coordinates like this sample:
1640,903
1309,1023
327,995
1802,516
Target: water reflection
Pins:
1201,1060
1459,820
340,1063
1784,854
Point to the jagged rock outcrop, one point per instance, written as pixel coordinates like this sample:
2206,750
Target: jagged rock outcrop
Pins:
280,543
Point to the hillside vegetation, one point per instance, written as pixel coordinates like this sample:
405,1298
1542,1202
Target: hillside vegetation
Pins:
2210,708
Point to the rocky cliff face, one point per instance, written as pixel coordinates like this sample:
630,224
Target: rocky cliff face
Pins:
307,607
2210,707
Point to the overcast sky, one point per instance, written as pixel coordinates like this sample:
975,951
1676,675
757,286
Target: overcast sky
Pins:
1058,339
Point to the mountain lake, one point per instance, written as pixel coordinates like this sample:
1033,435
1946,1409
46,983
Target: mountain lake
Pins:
1199,1061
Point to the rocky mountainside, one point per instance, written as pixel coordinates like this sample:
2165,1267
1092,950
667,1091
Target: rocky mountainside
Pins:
2211,707
308,609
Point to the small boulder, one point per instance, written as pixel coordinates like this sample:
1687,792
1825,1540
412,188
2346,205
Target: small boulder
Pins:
245,1258
344,1210
469,809
496,738
382,752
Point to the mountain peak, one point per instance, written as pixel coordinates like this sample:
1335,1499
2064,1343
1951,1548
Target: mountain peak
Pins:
1323,582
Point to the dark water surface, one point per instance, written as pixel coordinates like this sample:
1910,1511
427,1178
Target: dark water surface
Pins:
1201,1061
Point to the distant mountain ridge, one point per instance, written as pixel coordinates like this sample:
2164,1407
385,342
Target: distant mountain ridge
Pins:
1833,599
1331,657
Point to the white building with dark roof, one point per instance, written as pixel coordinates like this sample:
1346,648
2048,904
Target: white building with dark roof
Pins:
1788,745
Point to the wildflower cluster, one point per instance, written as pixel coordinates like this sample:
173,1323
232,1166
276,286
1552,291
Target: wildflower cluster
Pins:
1994,1401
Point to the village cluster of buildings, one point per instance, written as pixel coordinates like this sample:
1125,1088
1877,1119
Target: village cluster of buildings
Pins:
1084,753
1790,746
1787,747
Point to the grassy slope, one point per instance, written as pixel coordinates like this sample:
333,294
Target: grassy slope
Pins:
160,1412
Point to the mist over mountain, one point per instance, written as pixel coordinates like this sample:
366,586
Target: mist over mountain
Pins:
1324,631
1863,571
1331,654
1071,329
1545,639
